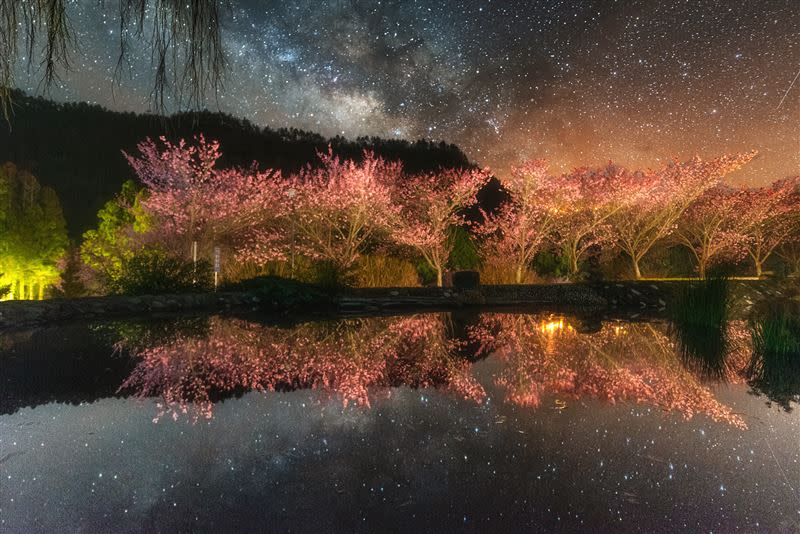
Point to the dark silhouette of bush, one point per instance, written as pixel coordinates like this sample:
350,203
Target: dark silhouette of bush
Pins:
699,315
774,369
152,272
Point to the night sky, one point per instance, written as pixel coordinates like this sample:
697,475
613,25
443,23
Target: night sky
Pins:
637,82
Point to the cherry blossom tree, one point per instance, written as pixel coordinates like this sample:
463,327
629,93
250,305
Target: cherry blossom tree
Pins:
660,198
771,214
712,228
588,199
431,206
343,206
521,226
192,200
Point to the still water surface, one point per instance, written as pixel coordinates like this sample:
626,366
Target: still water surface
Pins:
437,422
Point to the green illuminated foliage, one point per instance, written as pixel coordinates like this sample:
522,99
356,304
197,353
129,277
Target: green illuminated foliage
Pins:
113,243
33,236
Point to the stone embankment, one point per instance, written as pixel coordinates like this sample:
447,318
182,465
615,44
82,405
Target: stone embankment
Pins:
646,298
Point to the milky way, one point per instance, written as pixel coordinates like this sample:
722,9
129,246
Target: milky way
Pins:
575,82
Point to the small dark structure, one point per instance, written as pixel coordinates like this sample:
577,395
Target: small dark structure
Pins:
466,280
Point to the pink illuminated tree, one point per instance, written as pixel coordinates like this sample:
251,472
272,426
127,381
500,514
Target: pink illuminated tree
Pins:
713,228
772,214
660,199
518,230
191,199
431,205
588,199
343,206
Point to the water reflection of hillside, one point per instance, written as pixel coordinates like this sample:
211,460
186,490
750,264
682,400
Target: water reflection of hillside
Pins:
354,360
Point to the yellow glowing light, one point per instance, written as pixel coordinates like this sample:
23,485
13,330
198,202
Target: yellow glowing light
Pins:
21,285
551,327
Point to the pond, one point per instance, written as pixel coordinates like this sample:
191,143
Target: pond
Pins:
461,421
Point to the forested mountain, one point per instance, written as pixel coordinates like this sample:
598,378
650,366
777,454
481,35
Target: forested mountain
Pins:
76,149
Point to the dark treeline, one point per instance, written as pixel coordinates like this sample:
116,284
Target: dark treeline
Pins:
76,149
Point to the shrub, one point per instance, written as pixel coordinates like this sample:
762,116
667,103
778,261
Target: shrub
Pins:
154,272
330,275
385,271
425,273
549,264
464,255
281,293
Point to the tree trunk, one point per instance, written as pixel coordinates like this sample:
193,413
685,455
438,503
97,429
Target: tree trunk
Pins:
701,269
519,274
759,267
636,272
573,262
439,277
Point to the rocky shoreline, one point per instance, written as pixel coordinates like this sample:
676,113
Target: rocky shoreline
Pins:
644,297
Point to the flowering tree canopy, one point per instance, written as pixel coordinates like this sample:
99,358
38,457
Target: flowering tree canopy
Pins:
660,199
589,198
771,214
192,199
431,206
712,228
342,206
517,231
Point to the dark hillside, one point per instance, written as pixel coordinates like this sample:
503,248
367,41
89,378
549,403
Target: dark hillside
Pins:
76,148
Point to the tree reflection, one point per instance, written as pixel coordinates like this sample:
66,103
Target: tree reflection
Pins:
631,362
356,360
350,359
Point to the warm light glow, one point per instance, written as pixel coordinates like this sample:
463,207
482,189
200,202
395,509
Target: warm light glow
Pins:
554,326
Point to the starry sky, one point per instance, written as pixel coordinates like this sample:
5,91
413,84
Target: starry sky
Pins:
577,82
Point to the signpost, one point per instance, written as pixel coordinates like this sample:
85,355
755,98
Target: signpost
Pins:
291,193
216,267
194,262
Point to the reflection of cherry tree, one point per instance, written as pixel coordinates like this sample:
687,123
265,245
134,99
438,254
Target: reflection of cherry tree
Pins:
348,359
620,363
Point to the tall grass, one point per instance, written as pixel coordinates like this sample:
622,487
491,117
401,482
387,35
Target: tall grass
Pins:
774,368
385,271
699,314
